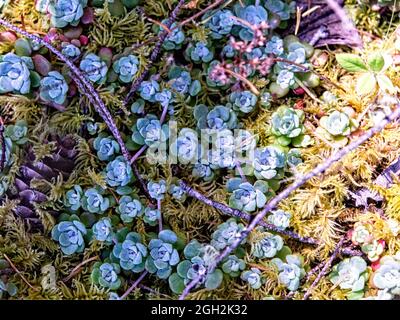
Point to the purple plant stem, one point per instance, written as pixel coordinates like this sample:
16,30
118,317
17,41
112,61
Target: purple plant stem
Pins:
142,182
94,98
141,286
240,170
313,271
138,154
298,183
160,220
156,51
83,84
3,147
243,215
324,269
134,285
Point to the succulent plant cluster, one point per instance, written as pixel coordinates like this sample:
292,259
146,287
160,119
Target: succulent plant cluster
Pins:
351,275
336,127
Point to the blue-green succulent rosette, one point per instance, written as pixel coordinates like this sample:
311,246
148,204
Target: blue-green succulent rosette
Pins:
177,192
290,270
254,15
233,266
149,131
15,74
95,200
226,233
103,230
106,146
106,275
164,97
72,198
246,196
65,12
181,82
269,163
119,174
186,146
54,88
129,208
386,277
148,90
163,256
253,277
220,117
126,68
175,38
267,246
283,9
94,68
193,267
199,53
131,254
350,275
157,189
70,235
287,127
151,216
280,218
17,132
69,50
220,23
243,101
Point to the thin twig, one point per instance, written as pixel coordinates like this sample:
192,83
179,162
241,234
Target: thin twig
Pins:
324,269
240,171
3,146
138,154
243,215
19,272
298,183
305,69
154,55
181,24
78,268
308,91
83,84
86,88
202,12
160,220
238,76
142,182
134,285
142,286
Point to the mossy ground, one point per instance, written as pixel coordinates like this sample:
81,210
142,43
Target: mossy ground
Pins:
319,208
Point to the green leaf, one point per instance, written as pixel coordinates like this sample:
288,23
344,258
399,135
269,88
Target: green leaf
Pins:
12,289
285,251
176,283
385,84
355,295
214,280
366,83
351,62
192,249
376,62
